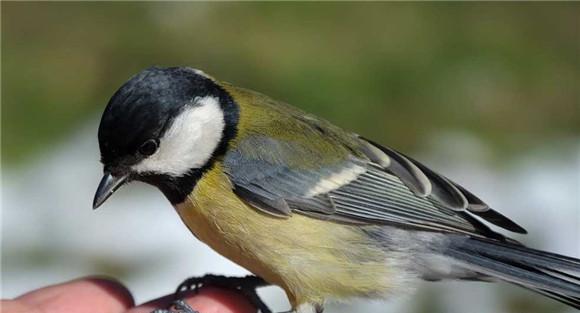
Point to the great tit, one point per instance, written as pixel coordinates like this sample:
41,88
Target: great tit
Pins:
319,211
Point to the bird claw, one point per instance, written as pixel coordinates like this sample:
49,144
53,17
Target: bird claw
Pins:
178,306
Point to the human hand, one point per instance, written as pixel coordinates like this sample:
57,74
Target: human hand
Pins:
100,295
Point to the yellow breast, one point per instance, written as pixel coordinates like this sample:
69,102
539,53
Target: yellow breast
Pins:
311,259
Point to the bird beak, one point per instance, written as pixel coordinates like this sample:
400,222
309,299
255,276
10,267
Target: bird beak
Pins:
108,185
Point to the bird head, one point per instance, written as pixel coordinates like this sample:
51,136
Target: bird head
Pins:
164,127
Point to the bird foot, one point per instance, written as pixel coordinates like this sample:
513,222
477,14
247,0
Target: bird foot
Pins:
246,286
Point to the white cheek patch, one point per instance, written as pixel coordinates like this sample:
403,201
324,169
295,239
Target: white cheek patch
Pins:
189,142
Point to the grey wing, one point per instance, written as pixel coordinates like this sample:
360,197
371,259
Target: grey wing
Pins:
264,172
380,187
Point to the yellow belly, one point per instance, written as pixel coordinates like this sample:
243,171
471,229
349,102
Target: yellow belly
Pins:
311,259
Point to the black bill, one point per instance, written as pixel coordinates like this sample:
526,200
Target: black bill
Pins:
108,185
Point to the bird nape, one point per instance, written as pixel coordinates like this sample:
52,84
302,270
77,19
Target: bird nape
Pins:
303,204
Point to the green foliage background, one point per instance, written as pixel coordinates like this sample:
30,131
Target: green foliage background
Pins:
397,72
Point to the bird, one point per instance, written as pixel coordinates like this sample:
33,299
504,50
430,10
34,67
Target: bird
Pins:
323,213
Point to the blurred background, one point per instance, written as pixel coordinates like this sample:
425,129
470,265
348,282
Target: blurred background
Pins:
485,93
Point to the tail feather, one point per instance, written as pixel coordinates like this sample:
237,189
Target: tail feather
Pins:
571,301
552,275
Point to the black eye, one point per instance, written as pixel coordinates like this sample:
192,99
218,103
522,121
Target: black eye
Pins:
148,147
